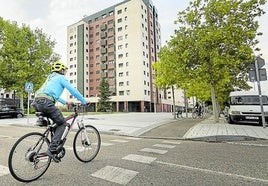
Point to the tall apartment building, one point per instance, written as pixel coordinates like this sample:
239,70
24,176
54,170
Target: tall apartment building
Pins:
119,43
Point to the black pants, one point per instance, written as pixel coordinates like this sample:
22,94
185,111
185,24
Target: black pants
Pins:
50,110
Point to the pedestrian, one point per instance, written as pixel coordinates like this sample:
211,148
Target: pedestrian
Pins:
48,95
179,113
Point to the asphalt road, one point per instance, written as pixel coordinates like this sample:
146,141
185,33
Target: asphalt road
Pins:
150,161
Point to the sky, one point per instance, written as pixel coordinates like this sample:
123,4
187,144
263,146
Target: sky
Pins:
53,16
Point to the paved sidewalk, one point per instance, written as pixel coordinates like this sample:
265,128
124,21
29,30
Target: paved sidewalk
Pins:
161,125
208,130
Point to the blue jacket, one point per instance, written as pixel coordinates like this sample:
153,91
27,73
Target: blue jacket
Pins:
55,85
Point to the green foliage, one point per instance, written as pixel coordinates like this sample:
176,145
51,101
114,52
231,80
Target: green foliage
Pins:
211,50
24,57
212,47
104,102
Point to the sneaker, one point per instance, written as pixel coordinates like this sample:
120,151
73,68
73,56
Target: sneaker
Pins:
53,156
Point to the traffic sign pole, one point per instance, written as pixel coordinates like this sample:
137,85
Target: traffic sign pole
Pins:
260,95
29,89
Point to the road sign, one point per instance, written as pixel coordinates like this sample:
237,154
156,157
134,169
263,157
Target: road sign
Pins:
29,87
262,75
260,62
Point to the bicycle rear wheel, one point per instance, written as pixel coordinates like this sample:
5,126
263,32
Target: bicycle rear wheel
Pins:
194,114
24,162
86,143
201,115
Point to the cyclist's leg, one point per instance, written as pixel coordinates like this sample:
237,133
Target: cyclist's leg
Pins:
48,108
57,117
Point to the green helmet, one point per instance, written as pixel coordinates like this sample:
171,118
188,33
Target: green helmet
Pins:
58,66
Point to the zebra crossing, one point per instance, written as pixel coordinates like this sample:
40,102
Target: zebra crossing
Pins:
121,175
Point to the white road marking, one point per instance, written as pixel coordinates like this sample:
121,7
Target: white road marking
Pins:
157,151
115,174
2,136
3,170
249,144
212,172
139,158
133,138
172,142
164,146
119,141
106,144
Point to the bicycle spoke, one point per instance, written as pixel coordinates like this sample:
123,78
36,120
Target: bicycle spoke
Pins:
87,143
24,165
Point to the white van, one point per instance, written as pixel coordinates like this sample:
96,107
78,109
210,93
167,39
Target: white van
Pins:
244,106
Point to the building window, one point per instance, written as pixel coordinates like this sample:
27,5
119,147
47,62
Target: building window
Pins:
119,11
120,38
119,29
119,20
121,93
121,84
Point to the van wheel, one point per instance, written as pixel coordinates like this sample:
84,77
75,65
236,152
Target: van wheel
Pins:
230,121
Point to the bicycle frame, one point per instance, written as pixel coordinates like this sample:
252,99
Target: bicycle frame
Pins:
50,129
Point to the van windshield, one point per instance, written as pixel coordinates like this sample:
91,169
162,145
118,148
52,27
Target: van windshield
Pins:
248,100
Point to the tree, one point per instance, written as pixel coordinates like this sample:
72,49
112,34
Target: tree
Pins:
214,46
104,103
163,79
24,57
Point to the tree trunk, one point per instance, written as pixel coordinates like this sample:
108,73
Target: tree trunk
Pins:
173,97
21,102
214,104
185,103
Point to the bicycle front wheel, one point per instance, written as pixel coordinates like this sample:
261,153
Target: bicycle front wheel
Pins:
87,143
201,115
24,162
194,114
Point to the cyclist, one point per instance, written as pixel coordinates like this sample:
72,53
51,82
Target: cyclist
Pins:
198,108
46,97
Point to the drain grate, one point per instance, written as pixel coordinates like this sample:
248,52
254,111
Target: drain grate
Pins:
115,130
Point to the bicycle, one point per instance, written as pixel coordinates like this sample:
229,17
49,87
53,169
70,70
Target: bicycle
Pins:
196,113
28,160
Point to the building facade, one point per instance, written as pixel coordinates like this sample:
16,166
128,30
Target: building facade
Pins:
119,43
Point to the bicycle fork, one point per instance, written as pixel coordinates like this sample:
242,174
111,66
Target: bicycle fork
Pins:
84,137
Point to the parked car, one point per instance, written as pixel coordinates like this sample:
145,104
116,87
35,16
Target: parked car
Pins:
11,112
